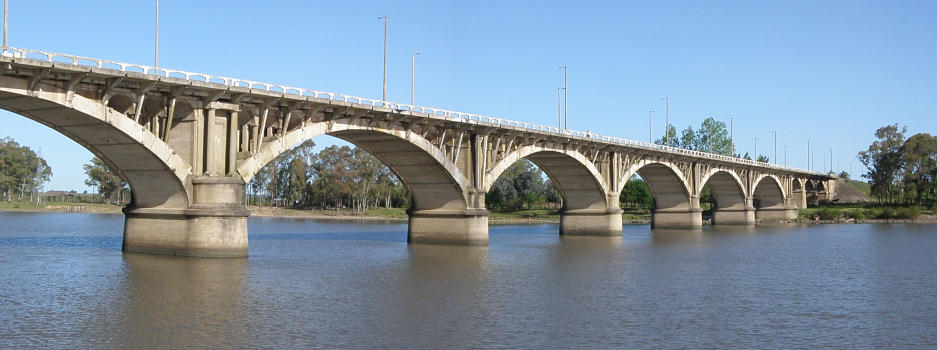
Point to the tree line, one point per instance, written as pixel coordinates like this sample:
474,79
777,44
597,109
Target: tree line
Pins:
901,170
22,172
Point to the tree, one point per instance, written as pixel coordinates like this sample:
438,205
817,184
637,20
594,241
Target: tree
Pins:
919,165
105,179
636,195
21,170
712,137
883,161
522,184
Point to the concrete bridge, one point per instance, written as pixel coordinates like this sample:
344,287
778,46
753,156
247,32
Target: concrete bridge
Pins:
187,143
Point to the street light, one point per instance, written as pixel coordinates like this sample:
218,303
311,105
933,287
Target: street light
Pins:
775,146
756,150
6,18
666,120
384,91
155,55
565,100
412,79
785,155
808,154
731,137
559,109
649,115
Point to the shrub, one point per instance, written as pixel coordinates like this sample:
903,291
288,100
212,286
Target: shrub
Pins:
907,213
829,213
858,214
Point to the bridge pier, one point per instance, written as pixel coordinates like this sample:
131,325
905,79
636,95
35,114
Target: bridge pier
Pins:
214,226
591,222
782,213
735,215
691,218
457,227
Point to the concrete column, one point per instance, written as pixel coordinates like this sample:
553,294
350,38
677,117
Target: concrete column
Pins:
679,218
735,216
591,222
232,143
468,227
800,199
211,144
773,213
215,225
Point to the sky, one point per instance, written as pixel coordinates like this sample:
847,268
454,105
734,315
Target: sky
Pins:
827,72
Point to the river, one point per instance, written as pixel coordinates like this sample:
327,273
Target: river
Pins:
64,283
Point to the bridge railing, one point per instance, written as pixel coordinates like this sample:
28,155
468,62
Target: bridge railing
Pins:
470,118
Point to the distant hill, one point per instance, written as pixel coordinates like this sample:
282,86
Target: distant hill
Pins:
846,192
863,187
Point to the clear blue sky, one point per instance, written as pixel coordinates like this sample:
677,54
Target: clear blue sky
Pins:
828,71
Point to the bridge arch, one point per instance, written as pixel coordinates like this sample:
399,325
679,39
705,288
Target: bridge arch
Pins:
434,181
732,203
669,187
769,198
575,177
158,178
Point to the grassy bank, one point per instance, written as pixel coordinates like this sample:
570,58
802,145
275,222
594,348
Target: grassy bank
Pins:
61,207
864,212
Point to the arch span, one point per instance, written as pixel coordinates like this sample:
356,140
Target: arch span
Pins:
589,208
732,205
769,198
158,178
435,181
674,207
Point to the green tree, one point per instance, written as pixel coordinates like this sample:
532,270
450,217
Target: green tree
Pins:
919,164
100,175
636,195
712,137
22,171
883,160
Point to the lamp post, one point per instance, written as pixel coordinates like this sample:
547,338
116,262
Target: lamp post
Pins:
649,117
785,155
156,52
666,120
808,154
559,109
384,91
775,146
731,137
565,100
6,19
412,75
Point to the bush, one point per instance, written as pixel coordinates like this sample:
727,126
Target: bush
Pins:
858,214
829,213
907,213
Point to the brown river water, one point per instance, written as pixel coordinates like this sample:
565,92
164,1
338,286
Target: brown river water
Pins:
64,283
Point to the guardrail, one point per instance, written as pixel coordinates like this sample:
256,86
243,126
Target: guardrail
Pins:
17,53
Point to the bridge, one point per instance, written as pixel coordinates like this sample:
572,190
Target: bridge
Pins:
187,143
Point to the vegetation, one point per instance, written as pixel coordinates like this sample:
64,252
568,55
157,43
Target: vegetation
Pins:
862,212
901,171
22,172
111,188
522,186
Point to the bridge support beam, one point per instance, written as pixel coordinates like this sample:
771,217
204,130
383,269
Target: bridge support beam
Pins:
745,216
735,216
800,199
591,222
468,227
691,218
781,213
214,226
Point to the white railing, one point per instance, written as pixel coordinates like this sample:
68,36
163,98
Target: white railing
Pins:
17,53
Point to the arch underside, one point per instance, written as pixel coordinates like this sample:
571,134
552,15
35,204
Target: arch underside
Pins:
576,184
139,158
428,182
434,181
768,194
668,190
727,191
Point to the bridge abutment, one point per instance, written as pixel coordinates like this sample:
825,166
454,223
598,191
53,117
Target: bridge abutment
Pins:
215,225
591,222
456,227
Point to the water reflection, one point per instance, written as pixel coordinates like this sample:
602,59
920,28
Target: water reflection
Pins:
173,302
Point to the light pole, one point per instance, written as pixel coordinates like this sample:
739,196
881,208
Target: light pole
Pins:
559,109
808,154
775,146
384,91
155,55
565,100
412,75
831,160
732,138
649,117
6,19
666,120
756,150
785,155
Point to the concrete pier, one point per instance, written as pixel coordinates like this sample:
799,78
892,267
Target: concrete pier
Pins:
591,222
466,227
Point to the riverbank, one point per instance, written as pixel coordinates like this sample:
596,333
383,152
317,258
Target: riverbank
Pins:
819,215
